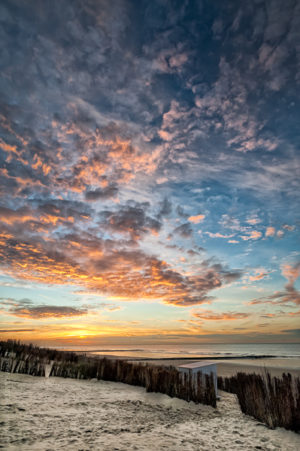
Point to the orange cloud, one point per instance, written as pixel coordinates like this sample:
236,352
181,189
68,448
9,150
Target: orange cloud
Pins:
196,219
270,231
7,148
128,275
260,274
25,215
253,235
294,313
253,221
209,315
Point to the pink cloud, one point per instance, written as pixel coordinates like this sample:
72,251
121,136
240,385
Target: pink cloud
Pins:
212,316
166,136
253,221
254,235
260,274
218,235
291,273
178,60
288,227
270,231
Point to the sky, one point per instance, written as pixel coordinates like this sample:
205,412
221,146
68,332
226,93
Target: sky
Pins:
149,171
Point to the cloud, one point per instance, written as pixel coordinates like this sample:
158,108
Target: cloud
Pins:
25,308
290,294
230,222
106,306
219,235
184,230
196,219
41,216
132,220
15,303
209,315
106,193
102,267
178,60
291,273
165,208
253,235
288,227
294,313
3,331
260,274
46,311
270,231
253,221
291,331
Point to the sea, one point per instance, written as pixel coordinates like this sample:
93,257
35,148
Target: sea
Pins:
213,350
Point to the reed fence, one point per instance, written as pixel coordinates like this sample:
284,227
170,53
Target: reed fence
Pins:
29,359
273,400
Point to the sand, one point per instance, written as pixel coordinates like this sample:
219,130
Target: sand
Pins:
229,367
275,366
55,413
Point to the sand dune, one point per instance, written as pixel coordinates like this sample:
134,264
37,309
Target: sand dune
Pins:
53,414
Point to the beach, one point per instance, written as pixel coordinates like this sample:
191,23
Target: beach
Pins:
229,367
51,414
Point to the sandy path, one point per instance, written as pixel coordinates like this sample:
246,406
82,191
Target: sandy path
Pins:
53,414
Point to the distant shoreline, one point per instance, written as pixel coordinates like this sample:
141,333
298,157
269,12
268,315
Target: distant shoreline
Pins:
208,357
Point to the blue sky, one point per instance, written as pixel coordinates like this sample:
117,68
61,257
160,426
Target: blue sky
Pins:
149,170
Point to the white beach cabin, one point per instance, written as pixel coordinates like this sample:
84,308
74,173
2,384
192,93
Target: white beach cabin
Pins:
204,367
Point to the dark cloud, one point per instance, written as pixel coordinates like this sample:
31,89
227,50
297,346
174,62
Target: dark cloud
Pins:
180,212
291,331
13,302
46,311
25,308
184,230
278,298
3,331
192,252
131,220
226,316
165,208
106,193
